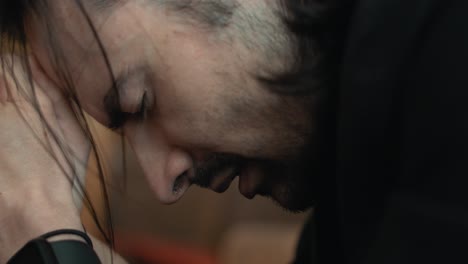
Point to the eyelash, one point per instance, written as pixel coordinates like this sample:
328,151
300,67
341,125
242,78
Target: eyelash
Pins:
119,118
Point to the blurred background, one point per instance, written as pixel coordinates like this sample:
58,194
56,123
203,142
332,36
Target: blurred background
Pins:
203,227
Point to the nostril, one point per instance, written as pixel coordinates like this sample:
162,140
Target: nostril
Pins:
179,183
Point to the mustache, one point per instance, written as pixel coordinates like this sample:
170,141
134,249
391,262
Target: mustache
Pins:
205,171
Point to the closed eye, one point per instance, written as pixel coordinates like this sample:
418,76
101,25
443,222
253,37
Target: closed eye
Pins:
121,107
118,118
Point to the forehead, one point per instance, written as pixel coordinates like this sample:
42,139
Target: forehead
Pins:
252,34
174,53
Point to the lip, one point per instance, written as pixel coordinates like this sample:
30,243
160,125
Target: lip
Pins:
246,191
250,181
251,178
221,182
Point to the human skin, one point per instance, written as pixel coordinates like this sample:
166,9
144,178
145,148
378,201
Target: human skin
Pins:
200,99
202,108
35,183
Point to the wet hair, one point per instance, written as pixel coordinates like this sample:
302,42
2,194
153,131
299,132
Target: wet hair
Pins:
320,29
309,34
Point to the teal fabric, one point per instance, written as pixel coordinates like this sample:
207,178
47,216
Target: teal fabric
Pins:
74,252
37,251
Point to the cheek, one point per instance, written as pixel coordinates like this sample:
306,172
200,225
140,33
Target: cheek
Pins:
194,122
188,111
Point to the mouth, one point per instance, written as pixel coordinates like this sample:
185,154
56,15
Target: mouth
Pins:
250,180
221,182
218,172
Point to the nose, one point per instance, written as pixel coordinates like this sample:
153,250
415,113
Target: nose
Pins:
166,167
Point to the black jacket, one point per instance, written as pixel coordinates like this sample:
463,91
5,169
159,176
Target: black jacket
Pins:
396,187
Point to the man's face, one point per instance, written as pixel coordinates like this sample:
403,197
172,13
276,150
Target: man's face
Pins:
187,101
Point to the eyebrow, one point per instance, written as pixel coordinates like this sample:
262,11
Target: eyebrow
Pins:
214,13
104,4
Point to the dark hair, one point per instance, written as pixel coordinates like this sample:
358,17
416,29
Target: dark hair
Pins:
320,28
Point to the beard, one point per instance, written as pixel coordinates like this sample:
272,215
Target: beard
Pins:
290,183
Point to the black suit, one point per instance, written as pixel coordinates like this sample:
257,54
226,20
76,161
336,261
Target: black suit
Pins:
396,189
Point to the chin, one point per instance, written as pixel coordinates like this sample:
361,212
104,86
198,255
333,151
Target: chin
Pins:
291,184
293,207
294,201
